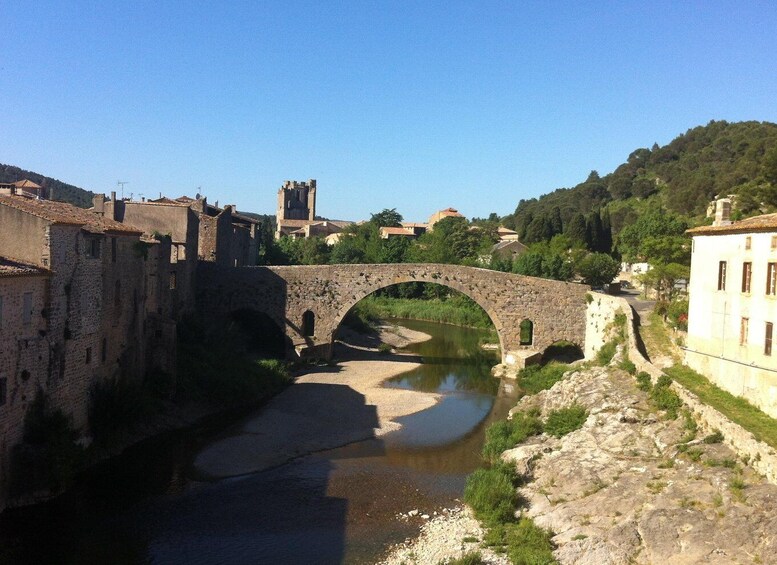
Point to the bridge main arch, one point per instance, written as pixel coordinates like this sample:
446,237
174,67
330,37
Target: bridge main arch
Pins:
327,292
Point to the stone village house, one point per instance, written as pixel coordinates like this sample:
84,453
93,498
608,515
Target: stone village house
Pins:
82,298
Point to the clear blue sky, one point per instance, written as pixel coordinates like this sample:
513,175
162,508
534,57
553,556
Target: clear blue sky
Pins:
410,105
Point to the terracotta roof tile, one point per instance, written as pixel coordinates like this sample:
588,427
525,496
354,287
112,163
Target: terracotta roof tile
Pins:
13,268
66,214
766,222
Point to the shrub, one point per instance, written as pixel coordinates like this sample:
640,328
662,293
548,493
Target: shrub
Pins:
506,434
528,543
115,406
677,312
491,493
665,398
566,420
628,365
473,558
644,382
714,437
535,378
606,353
384,349
49,456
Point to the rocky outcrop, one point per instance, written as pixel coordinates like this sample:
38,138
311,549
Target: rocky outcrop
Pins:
629,486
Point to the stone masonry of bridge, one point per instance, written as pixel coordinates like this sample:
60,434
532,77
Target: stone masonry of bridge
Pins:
556,309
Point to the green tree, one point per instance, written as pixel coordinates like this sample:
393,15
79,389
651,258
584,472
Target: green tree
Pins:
654,223
598,269
387,218
576,229
663,279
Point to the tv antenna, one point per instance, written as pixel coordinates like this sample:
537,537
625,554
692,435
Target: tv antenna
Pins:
121,184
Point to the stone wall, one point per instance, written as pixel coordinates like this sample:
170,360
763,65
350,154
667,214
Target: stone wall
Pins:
556,309
600,316
24,359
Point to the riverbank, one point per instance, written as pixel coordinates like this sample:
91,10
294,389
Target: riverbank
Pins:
327,407
631,485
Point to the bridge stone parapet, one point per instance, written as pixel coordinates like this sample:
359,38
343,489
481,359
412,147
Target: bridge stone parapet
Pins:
309,302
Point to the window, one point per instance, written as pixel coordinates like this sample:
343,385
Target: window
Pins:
747,271
173,282
527,332
308,324
113,249
104,351
768,339
774,242
117,295
748,242
88,355
722,275
1,311
743,326
27,308
3,390
93,247
771,278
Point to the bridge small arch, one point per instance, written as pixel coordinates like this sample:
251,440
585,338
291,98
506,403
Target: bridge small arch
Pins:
527,332
308,324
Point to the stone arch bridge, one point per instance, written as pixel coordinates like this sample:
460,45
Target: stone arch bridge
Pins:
309,302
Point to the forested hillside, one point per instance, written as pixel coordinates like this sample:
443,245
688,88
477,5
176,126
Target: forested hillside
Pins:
62,191
720,159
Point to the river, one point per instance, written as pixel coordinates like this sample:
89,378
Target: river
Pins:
335,506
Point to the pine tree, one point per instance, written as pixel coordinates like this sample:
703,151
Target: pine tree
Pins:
576,229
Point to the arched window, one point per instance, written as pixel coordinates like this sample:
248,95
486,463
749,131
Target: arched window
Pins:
308,324
527,332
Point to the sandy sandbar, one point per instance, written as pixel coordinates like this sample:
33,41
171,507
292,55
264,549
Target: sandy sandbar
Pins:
327,407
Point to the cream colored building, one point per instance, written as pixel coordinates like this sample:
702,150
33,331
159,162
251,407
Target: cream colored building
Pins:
733,307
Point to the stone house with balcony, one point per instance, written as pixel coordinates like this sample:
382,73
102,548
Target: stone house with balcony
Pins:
733,307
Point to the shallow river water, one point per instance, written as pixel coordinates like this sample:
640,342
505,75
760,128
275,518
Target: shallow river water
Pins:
334,506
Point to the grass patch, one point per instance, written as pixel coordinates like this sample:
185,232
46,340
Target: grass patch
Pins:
644,382
606,353
215,366
472,558
456,309
628,365
492,493
535,378
656,338
664,398
735,408
523,541
506,434
566,420
384,349
714,437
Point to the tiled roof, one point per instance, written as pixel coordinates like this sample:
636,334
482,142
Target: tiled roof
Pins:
12,268
66,214
397,231
766,222
26,183
303,223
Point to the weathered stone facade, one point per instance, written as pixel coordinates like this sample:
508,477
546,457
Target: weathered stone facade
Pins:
93,302
556,309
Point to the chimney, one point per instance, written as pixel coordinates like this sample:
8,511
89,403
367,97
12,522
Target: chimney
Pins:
722,212
98,201
51,193
113,196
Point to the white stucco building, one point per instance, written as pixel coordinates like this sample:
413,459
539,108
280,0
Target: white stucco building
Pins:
733,307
